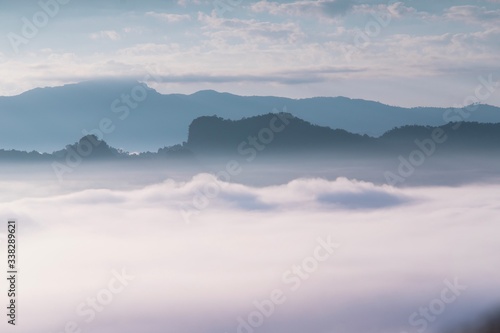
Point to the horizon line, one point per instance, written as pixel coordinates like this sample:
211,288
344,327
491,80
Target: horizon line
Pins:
145,82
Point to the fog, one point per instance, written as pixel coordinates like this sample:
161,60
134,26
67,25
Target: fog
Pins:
202,251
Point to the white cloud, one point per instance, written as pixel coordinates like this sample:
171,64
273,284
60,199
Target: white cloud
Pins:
184,3
321,8
236,251
395,10
474,15
106,34
249,31
170,18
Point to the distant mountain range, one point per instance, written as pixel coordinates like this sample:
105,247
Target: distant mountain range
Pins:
277,134
134,117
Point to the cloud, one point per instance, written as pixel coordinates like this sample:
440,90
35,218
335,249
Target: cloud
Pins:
473,15
184,3
298,194
321,8
397,247
394,10
168,17
287,78
249,31
106,34
363,200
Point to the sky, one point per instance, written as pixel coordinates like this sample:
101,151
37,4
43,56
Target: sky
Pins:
406,53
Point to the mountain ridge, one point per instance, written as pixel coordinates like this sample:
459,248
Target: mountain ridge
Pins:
275,134
143,119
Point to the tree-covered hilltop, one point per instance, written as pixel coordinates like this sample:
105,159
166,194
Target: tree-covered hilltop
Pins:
275,134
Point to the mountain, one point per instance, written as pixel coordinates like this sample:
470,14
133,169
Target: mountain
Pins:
90,147
458,137
131,116
284,133
278,134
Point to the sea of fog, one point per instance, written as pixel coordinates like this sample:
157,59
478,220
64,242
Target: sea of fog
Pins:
166,252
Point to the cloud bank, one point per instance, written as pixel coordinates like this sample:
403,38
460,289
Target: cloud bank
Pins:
397,248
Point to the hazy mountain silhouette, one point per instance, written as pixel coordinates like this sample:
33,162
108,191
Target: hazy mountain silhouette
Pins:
215,135
137,118
459,137
282,133
90,147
